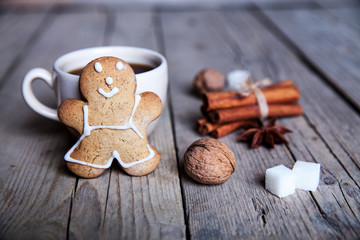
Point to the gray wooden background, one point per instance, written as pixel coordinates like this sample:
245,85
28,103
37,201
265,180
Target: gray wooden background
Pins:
315,43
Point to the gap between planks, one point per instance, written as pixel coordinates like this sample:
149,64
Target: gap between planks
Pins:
159,29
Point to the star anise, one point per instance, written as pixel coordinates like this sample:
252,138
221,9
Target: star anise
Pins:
267,135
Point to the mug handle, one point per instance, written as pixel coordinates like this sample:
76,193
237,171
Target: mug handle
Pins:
29,96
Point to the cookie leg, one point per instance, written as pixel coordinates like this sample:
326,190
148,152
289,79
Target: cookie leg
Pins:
84,171
89,151
144,168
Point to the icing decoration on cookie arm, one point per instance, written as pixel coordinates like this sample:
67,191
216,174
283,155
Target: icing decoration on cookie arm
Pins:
130,121
149,106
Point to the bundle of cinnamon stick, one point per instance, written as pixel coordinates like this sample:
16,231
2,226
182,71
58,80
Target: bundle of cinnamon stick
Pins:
224,112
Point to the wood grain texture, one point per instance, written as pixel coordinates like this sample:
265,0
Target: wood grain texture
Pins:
337,4
36,188
330,45
41,199
241,207
349,15
133,28
156,199
137,3
319,108
148,207
116,204
16,30
341,128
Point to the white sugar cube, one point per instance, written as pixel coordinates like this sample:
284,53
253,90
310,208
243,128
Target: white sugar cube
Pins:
237,78
280,181
307,175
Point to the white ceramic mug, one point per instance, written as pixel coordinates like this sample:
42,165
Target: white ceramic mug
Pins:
66,85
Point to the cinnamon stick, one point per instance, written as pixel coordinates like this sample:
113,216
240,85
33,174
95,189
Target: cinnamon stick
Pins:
231,99
226,94
253,112
204,127
229,94
284,83
225,129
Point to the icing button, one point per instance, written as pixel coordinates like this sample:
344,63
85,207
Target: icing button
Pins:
109,80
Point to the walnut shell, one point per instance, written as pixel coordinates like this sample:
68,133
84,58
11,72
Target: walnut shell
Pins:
209,80
209,161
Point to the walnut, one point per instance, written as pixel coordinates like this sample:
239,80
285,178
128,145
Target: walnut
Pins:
209,161
209,80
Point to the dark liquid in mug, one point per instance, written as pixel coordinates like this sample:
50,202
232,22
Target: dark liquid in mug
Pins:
137,67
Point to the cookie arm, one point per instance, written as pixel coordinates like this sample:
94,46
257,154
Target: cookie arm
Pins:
71,113
149,109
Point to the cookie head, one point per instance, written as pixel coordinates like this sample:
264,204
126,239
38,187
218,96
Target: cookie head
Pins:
107,78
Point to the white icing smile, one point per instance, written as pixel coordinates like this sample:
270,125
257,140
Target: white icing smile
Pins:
114,91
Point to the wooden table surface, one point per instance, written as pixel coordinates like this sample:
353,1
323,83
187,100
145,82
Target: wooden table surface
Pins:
315,43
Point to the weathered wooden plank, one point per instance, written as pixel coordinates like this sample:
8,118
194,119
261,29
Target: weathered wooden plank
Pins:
211,211
349,15
337,4
330,45
156,199
338,164
148,207
155,202
138,3
346,143
36,188
133,28
16,30
241,207
182,4
164,4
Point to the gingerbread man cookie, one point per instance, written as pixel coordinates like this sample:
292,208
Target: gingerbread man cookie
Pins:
112,122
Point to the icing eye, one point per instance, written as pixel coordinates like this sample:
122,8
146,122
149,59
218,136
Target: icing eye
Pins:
119,65
98,67
109,80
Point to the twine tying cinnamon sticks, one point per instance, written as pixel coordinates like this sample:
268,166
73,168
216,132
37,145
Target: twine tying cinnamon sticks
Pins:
254,87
